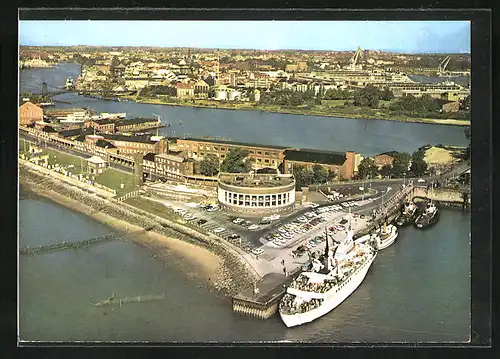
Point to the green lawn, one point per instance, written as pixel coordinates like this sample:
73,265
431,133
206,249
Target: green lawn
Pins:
333,103
112,179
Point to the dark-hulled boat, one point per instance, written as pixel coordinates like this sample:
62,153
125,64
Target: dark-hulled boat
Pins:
428,218
408,215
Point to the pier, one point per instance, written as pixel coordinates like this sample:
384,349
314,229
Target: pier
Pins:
261,300
75,244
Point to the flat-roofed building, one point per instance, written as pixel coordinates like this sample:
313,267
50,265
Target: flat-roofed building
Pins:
262,155
256,194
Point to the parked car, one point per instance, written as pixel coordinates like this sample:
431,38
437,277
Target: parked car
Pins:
253,227
219,230
189,218
202,221
257,251
212,209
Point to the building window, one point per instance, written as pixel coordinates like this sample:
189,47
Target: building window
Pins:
266,153
259,152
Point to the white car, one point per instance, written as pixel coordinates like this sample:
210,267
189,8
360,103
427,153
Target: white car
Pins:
238,220
180,210
212,209
189,218
219,230
253,227
281,230
257,251
421,180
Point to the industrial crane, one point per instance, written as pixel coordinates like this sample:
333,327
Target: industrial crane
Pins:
443,64
354,59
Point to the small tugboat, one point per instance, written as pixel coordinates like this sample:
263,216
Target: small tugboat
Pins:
407,215
385,236
428,218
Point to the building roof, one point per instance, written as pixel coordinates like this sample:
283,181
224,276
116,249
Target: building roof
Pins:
134,121
104,144
316,156
390,153
71,132
96,160
103,121
255,180
170,157
149,157
48,129
182,85
30,105
232,143
134,138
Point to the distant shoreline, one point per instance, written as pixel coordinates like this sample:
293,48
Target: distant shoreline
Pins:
381,117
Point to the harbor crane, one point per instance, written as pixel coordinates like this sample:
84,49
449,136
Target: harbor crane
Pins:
354,59
443,64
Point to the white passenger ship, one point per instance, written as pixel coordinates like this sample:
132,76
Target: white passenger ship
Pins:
315,293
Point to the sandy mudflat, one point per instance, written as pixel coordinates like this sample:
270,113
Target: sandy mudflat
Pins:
202,263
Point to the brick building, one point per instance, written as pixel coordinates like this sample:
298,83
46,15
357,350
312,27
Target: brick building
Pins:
263,155
386,158
172,165
29,114
342,164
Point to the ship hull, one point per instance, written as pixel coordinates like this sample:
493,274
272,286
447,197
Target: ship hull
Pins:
332,300
424,225
383,244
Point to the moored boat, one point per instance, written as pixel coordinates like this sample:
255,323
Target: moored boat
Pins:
407,215
317,292
428,218
385,236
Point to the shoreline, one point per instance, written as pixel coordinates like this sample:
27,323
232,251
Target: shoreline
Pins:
221,274
404,119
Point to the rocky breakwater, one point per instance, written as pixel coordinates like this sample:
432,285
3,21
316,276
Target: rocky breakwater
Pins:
232,276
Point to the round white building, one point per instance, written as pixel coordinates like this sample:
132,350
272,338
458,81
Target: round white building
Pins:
256,194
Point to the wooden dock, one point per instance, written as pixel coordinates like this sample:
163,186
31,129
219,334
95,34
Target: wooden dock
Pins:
261,300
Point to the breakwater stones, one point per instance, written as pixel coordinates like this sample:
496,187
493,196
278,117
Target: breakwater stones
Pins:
232,277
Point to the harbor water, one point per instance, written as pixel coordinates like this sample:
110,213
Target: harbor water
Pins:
418,290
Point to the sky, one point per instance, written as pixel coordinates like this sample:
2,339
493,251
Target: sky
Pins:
397,36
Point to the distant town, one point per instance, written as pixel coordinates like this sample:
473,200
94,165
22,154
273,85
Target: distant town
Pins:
357,84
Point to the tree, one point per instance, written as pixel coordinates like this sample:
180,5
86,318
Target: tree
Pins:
209,166
418,167
303,176
386,171
418,155
367,97
367,168
387,94
320,174
400,164
236,161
